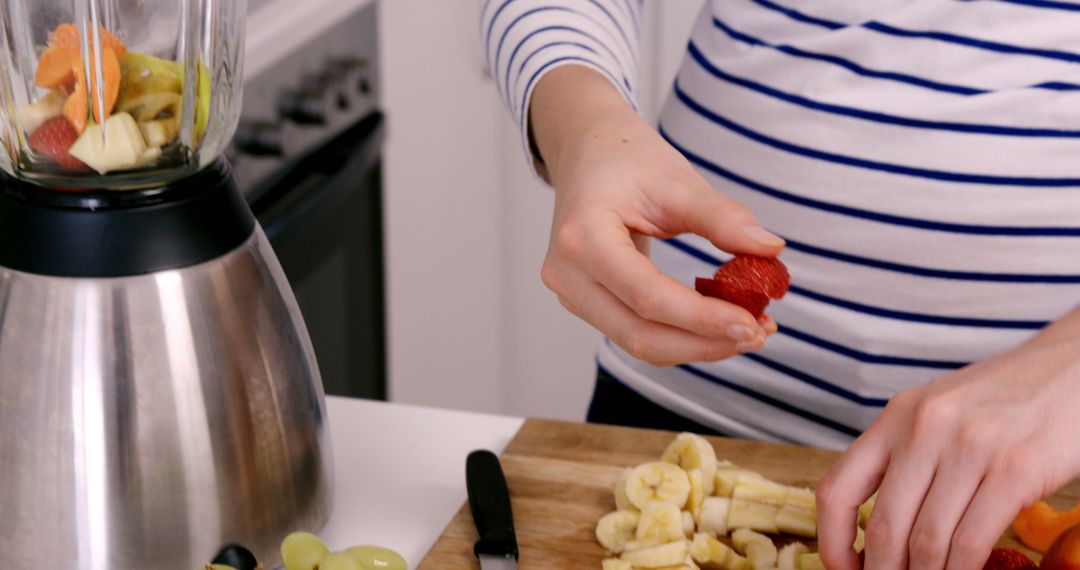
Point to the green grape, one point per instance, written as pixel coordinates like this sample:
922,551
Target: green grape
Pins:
377,558
303,551
339,561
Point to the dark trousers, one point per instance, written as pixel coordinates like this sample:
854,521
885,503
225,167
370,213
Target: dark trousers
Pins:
616,403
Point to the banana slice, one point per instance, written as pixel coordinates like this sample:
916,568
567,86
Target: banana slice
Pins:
616,564
758,548
659,524
622,502
691,451
715,555
860,540
811,562
801,498
657,482
728,477
616,529
797,521
754,516
670,554
788,557
865,510
688,524
760,491
32,115
153,106
714,515
697,491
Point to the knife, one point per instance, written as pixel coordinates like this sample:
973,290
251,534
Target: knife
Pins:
489,501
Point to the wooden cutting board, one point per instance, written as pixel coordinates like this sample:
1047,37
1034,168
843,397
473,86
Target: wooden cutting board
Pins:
561,477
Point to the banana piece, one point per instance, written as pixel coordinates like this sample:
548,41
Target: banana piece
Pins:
801,498
758,548
670,554
788,557
32,115
697,491
727,477
797,521
657,482
712,554
687,564
811,562
688,524
691,451
659,524
860,540
622,502
616,564
616,529
754,516
760,491
865,510
714,515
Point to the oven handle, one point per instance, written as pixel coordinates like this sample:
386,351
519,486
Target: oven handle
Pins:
363,144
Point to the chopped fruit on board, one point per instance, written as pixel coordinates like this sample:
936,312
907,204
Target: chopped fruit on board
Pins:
1039,525
1064,553
749,281
1009,559
53,139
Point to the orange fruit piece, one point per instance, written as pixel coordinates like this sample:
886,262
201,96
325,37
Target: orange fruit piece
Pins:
55,68
67,36
75,107
1039,525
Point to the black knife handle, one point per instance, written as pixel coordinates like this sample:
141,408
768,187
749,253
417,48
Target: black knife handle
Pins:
489,501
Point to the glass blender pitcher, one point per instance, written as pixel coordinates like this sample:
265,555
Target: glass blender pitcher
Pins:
159,396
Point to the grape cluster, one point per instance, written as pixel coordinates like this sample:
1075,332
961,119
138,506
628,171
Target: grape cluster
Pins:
305,551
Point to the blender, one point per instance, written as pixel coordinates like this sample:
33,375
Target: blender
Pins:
159,396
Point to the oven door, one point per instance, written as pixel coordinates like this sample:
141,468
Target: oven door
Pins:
323,216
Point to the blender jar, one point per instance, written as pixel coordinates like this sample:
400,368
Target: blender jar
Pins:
117,94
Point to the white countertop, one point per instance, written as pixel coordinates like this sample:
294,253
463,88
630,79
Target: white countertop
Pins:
400,471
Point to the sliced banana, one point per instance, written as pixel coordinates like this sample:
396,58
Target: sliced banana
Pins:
659,524
32,115
728,477
754,516
688,524
691,451
657,482
715,555
697,491
865,510
153,106
616,564
788,557
811,562
622,502
860,540
760,491
758,548
616,529
670,554
714,515
797,521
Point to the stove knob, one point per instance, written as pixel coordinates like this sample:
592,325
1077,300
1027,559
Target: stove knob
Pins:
308,106
260,138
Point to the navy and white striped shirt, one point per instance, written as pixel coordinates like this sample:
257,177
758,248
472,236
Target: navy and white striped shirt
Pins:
921,157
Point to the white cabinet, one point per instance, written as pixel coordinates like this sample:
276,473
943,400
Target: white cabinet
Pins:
470,325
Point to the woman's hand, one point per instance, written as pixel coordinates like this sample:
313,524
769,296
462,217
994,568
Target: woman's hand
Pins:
617,183
956,460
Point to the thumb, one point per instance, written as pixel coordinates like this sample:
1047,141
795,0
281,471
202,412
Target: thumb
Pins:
722,220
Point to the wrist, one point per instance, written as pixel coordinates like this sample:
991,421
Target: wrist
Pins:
573,110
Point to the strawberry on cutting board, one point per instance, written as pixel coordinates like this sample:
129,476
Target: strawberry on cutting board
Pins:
748,281
53,139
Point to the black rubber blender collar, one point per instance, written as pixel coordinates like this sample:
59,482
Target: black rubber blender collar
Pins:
121,233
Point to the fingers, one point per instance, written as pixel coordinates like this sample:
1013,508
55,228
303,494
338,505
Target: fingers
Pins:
652,342
899,499
990,511
609,254
952,490
729,225
850,482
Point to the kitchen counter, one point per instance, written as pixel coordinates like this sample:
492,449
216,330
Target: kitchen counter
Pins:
400,471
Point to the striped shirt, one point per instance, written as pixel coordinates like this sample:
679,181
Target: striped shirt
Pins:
920,157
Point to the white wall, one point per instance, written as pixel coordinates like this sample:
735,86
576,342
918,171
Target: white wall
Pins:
470,324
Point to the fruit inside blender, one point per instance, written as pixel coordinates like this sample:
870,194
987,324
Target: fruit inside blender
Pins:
129,122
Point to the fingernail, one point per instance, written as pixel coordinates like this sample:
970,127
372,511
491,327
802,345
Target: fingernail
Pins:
761,235
750,345
741,333
771,327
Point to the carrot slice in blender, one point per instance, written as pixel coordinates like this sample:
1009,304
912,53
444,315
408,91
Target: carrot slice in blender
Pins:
55,68
75,107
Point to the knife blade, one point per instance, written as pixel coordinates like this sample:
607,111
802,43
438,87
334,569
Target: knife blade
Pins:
489,501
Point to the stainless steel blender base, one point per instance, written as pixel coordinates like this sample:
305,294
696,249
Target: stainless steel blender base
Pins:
147,421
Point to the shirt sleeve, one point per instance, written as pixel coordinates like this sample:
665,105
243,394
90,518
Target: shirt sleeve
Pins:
525,39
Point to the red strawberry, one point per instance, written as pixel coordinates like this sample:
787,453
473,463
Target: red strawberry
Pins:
748,281
1009,559
53,139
